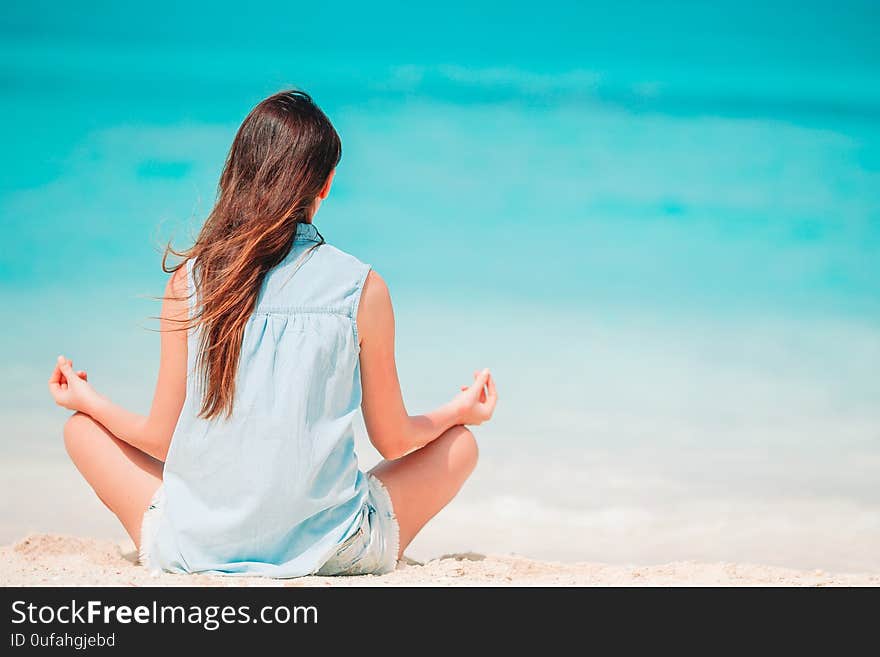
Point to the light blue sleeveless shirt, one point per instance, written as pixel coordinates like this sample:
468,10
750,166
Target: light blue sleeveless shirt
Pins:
274,489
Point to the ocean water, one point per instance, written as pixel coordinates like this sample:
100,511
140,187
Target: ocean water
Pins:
660,227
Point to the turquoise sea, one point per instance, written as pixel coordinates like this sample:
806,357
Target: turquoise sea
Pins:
658,225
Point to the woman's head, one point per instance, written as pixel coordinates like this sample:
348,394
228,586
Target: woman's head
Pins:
278,171
281,161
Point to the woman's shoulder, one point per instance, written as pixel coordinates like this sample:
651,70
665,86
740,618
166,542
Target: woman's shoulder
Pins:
334,255
325,278
340,264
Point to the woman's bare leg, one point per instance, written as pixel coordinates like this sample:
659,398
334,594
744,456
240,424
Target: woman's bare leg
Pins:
423,482
123,477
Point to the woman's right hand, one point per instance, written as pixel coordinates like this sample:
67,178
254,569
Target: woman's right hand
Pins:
71,389
476,402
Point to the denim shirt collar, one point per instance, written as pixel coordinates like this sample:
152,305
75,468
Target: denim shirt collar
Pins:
306,232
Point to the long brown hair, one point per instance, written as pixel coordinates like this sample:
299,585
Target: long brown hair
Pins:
280,160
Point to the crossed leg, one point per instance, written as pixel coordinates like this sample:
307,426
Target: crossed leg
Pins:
123,477
423,482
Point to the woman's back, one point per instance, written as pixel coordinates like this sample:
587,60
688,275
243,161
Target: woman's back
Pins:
275,487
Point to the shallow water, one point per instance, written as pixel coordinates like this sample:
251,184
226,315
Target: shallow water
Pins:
663,239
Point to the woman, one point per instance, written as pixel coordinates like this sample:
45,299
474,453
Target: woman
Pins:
271,338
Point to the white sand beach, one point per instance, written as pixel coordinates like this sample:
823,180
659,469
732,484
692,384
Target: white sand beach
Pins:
54,560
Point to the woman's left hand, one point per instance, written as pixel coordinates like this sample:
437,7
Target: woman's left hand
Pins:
71,389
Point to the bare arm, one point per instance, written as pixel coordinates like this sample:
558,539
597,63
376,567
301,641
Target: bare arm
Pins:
392,430
150,433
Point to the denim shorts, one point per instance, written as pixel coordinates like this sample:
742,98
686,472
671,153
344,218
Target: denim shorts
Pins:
149,527
371,549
